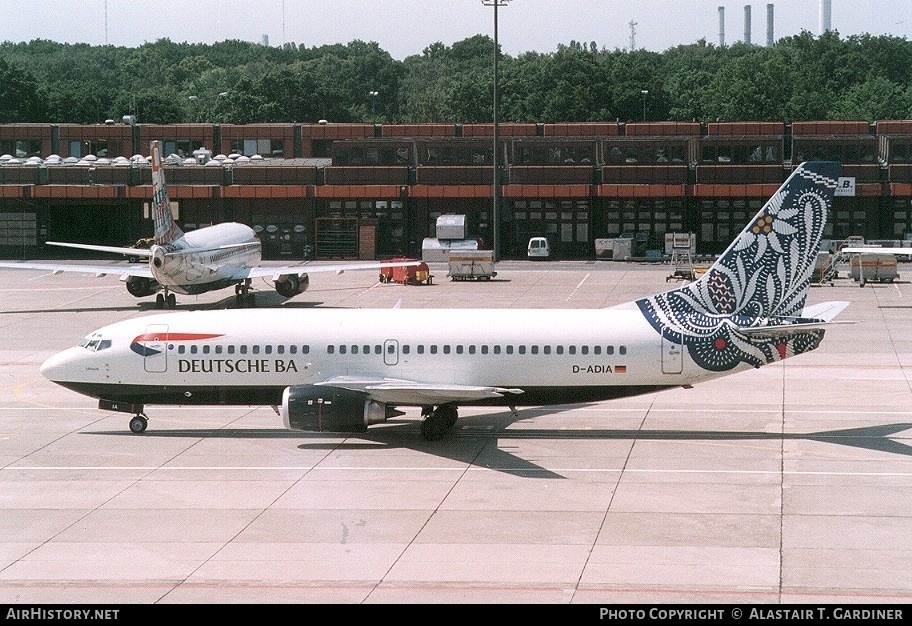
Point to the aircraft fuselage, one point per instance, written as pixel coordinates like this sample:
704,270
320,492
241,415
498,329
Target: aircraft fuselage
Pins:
242,357
206,259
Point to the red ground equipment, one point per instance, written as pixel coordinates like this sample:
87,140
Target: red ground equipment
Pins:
408,275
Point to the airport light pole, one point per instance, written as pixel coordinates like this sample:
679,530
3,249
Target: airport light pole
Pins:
496,187
198,98
373,95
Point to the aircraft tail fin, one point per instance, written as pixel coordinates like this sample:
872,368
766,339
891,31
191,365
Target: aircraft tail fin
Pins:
762,279
166,230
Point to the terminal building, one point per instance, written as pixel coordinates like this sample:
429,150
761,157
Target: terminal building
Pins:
374,191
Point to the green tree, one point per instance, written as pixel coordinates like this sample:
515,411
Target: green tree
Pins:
875,99
20,99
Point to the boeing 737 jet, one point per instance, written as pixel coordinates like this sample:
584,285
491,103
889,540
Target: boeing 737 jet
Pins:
342,370
203,260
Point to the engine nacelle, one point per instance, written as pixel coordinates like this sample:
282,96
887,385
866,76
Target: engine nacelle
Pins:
331,410
140,286
290,285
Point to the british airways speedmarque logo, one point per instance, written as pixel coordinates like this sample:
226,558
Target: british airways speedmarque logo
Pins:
140,347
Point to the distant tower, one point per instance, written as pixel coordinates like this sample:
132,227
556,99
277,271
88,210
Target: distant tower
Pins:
770,40
266,41
633,31
747,24
825,8
721,26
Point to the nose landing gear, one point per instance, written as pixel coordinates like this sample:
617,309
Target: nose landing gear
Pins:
166,300
139,423
242,295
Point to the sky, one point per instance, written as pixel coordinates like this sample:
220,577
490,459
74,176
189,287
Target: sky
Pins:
406,27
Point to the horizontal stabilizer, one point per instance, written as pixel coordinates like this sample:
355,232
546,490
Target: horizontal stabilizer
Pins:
815,317
776,331
825,310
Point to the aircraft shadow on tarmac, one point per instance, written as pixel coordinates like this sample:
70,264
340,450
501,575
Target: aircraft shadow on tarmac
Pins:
478,443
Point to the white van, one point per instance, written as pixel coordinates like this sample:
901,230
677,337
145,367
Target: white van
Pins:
539,248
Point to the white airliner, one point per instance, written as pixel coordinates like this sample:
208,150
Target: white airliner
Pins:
210,258
343,370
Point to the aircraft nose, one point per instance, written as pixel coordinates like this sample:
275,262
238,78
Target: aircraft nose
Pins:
58,366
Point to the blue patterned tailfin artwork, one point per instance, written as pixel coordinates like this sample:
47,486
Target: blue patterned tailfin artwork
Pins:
761,280
166,230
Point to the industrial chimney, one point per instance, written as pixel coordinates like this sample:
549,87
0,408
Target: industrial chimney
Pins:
721,26
770,40
825,9
747,24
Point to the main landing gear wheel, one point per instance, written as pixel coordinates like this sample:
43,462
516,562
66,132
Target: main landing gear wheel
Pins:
139,423
439,421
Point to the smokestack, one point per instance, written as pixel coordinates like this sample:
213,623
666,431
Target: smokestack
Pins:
770,40
825,9
747,24
721,26
265,40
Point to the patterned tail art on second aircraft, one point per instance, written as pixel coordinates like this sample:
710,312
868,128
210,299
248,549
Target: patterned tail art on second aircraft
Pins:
761,280
166,231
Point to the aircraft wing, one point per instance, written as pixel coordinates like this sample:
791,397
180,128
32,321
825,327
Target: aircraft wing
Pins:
138,252
407,392
876,250
123,271
275,272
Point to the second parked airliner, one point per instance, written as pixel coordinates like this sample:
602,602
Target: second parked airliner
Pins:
202,260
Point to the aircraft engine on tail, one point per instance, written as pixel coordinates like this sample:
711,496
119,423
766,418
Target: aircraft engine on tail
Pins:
140,286
314,408
291,285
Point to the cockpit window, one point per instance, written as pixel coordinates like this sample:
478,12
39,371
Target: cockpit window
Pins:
94,343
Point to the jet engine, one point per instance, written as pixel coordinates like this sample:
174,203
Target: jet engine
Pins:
140,286
290,285
314,408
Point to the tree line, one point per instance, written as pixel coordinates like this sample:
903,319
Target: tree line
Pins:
802,77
